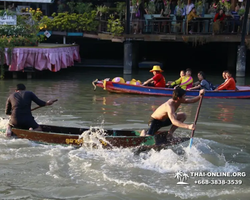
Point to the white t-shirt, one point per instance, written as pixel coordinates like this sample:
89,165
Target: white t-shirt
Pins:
189,8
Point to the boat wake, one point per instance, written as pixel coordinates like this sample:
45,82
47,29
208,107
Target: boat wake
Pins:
122,171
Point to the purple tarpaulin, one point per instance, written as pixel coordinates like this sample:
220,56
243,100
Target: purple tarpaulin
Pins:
52,59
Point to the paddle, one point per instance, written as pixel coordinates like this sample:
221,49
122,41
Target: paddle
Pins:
42,106
33,108
195,120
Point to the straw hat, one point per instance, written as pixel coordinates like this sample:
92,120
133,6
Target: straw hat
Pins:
156,68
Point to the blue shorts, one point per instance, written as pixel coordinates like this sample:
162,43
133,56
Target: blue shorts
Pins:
156,124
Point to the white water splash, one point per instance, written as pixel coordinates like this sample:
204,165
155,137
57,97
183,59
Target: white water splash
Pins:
94,138
3,125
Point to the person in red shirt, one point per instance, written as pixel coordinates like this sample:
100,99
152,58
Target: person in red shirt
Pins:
158,79
219,19
219,16
229,84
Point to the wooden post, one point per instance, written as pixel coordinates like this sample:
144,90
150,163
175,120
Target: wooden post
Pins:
233,4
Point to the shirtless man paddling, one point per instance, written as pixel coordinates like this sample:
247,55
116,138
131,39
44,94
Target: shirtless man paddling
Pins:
165,114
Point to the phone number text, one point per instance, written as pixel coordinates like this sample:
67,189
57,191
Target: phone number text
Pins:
218,182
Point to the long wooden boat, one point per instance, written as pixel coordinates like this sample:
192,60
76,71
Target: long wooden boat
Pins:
112,138
243,92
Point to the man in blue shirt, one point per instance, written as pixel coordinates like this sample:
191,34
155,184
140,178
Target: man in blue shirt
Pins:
236,21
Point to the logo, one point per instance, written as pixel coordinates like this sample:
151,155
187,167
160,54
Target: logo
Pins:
182,177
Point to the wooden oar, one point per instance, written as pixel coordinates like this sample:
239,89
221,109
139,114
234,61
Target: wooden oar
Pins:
33,108
195,121
42,106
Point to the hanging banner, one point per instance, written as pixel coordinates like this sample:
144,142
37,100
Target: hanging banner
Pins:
8,19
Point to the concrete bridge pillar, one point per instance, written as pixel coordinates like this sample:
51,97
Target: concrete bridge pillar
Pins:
231,56
241,61
130,61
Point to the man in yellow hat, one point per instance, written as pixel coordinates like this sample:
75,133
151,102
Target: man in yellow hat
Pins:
158,79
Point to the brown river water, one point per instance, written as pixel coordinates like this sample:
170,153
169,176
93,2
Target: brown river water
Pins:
217,165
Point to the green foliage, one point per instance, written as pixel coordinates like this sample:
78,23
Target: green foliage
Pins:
114,26
134,2
24,34
83,8
61,8
225,5
10,30
8,12
198,3
121,8
241,11
199,8
180,7
70,22
100,10
150,7
71,7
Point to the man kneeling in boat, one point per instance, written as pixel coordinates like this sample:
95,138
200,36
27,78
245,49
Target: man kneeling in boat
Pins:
165,114
158,79
18,106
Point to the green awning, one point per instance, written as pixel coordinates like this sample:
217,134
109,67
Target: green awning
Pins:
31,1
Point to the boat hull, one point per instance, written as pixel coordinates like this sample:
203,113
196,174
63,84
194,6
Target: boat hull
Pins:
113,138
242,93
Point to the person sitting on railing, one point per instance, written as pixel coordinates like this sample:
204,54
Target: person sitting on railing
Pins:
179,12
159,7
172,5
158,79
229,84
236,21
191,17
141,11
203,83
219,20
212,9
